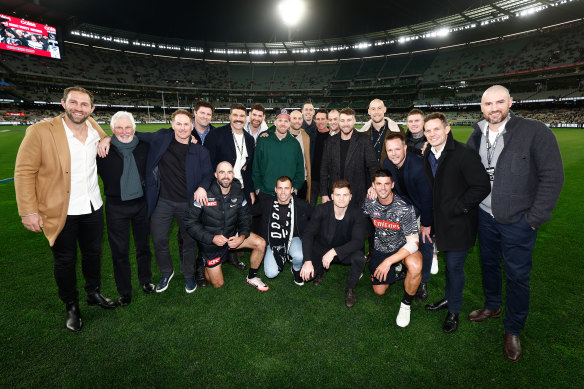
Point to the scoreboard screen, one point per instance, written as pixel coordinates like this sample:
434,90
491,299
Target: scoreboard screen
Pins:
28,37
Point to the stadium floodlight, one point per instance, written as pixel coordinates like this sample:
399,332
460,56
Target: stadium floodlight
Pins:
442,32
291,11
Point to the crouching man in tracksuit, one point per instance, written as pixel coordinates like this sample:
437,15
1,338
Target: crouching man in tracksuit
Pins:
223,223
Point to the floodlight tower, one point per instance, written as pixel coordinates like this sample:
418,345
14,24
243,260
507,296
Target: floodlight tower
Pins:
291,12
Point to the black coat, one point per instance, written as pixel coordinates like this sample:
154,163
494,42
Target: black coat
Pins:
461,183
110,169
218,217
321,231
263,207
360,165
221,148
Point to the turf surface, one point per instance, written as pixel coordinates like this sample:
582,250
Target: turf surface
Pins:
289,336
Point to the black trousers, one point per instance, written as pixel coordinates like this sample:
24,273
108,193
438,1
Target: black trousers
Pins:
119,215
87,230
355,259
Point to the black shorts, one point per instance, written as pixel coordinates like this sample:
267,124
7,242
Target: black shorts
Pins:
376,258
214,259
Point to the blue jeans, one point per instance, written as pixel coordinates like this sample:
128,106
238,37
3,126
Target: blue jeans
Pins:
455,278
514,244
270,266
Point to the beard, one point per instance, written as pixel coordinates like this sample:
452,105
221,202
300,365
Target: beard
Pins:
75,120
224,183
504,115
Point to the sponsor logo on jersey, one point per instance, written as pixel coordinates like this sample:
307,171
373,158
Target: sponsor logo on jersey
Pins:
214,261
211,203
385,224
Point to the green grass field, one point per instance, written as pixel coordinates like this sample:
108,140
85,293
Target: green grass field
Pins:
289,336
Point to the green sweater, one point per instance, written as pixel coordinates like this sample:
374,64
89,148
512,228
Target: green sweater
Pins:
274,158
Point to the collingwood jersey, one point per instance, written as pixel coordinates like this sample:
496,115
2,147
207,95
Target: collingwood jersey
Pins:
392,223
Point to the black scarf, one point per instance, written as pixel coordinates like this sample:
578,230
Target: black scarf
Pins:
280,232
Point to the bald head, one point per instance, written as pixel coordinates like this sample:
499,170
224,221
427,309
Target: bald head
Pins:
495,105
224,175
376,110
499,90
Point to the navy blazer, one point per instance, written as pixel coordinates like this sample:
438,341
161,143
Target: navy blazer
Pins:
221,146
417,185
198,165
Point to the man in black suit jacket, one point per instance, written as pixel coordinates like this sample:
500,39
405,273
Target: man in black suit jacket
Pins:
348,155
411,183
202,122
459,184
232,144
335,234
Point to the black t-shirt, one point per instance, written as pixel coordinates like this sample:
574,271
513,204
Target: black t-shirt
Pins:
173,180
338,238
344,150
318,150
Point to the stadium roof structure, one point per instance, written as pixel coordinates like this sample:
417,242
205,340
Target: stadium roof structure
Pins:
470,21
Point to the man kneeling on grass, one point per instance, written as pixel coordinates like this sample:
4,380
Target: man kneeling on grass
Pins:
396,240
224,223
335,234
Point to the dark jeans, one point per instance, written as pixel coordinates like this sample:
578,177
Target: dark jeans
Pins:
355,259
427,250
118,215
455,278
87,230
198,260
514,244
160,225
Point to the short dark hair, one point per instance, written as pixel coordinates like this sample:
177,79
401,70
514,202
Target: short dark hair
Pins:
320,110
395,135
347,111
203,103
307,102
340,184
181,112
237,106
258,107
436,115
415,111
382,173
284,178
77,89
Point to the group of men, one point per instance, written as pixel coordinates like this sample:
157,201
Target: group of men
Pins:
404,192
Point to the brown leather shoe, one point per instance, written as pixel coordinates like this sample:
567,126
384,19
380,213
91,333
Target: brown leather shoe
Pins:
511,347
483,314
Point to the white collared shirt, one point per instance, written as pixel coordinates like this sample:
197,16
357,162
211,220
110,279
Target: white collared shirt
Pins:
84,186
437,154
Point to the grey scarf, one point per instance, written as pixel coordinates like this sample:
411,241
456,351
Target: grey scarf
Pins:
130,182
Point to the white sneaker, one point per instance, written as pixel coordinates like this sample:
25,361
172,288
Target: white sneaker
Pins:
434,268
403,316
257,283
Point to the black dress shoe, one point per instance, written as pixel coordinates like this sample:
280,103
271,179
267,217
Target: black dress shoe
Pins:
437,306
232,259
422,294
401,275
73,321
450,323
124,300
350,297
97,298
200,276
148,288
318,278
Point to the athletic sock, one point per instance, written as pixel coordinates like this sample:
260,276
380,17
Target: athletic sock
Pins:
407,300
252,273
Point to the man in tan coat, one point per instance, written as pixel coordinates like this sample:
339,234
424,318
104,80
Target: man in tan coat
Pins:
57,192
